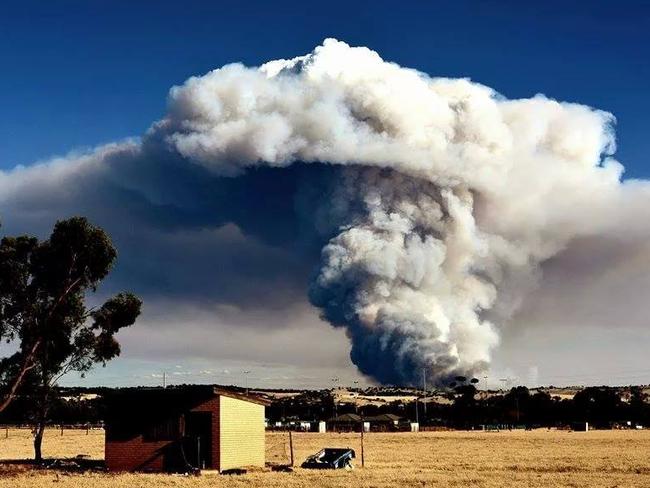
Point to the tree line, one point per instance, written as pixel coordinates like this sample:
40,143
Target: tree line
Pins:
601,406
467,408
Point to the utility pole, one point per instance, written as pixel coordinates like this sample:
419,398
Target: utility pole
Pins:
424,389
334,382
164,379
246,373
417,415
508,382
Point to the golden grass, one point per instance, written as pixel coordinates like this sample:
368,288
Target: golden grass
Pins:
19,444
444,459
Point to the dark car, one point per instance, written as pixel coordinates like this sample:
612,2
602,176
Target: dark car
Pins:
330,458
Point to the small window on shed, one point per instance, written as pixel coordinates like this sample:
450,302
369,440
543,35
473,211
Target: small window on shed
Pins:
168,429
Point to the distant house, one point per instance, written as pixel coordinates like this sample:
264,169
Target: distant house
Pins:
384,422
348,422
183,429
352,422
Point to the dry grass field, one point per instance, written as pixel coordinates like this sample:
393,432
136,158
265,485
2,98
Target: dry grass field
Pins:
445,459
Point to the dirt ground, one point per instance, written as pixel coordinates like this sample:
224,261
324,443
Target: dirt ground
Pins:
533,459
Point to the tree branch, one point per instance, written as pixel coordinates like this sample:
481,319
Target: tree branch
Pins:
65,370
28,364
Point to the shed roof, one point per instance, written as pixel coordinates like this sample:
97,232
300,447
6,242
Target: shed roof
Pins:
242,396
179,395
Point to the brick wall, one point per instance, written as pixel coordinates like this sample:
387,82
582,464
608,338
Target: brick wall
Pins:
138,454
237,440
135,455
242,433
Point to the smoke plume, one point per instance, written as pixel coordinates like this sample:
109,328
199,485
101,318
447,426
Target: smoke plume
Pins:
433,203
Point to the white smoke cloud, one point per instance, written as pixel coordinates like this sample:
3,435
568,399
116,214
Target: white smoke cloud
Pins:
453,195
442,204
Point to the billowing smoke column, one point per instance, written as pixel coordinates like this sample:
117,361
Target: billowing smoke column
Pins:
435,204
446,199
400,276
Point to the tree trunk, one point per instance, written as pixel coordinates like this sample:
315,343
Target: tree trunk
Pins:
38,442
43,409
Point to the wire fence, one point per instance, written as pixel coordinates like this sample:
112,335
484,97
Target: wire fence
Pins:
291,448
7,430
282,448
277,449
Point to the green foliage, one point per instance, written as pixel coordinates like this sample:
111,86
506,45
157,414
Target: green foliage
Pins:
43,311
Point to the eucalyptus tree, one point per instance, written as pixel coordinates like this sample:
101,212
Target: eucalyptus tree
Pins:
44,317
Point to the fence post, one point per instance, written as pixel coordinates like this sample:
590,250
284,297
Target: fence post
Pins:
61,430
362,453
6,432
291,447
198,452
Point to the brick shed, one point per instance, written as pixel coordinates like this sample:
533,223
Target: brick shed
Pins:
182,428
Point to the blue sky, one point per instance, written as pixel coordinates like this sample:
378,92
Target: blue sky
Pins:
81,73
76,74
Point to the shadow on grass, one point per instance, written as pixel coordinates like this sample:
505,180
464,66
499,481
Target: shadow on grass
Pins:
77,464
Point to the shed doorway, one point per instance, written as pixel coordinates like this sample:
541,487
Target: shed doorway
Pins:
198,439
